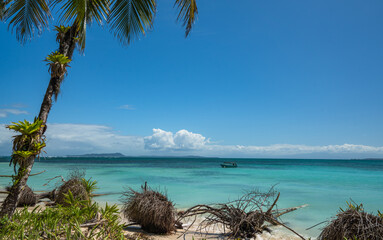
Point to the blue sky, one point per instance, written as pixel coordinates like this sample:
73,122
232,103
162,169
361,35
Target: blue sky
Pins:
252,75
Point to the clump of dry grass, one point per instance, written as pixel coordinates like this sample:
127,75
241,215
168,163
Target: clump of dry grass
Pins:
76,186
353,223
150,209
27,198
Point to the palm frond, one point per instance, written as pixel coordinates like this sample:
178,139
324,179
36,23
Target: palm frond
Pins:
82,13
129,19
27,17
187,13
4,4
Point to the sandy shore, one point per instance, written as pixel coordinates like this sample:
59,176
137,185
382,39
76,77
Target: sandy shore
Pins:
278,233
191,232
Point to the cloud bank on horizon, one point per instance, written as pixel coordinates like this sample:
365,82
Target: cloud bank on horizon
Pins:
68,139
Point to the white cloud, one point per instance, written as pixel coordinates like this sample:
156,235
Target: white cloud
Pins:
4,112
160,140
182,140
280,150
5,135
188,140
68,139
127,107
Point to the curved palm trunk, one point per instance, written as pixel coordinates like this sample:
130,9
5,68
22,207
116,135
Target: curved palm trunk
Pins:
67,46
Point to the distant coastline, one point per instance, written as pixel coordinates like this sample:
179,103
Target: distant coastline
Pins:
98,155
120,155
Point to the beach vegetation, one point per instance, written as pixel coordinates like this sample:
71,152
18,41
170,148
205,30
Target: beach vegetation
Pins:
79,220
127,19
27,143
90,185
354,223
57,63
76,187
151,209
26,146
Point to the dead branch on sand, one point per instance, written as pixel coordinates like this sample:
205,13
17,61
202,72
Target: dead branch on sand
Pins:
245,217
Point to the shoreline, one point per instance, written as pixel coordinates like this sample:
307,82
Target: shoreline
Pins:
192,232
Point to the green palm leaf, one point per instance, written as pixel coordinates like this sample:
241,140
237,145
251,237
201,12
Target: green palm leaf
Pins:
82,13
28,16
130,18
187,13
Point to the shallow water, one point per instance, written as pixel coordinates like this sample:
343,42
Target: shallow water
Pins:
325,185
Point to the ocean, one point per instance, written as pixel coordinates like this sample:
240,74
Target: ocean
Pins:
325,185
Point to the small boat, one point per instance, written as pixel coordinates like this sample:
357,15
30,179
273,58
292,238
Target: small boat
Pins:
229,165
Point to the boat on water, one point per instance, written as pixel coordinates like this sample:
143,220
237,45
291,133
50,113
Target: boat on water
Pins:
229,165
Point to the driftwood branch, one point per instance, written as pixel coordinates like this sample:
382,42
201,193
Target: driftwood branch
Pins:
37,173
50,179
93,224
130,224
245,217
31,175
103,194
291,230
287,210
50,195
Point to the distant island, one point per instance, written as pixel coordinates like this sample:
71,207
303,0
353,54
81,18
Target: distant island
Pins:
99,155
120,155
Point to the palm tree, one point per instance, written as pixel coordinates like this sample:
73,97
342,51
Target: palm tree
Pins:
127,19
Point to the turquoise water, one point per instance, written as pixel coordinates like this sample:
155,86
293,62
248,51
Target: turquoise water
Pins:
325,185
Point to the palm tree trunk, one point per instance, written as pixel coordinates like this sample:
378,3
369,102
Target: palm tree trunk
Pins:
67,46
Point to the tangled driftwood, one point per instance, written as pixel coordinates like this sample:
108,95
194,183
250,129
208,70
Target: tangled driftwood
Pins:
354,224
245,217
150,209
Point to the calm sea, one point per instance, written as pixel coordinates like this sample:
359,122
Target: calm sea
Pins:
325,185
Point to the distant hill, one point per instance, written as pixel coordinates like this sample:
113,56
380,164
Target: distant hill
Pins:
188,156
99,155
